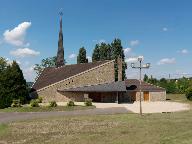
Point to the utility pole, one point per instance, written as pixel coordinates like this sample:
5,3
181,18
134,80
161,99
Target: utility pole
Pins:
140,67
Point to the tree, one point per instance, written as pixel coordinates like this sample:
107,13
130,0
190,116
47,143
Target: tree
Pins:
47,62
81,58
96,53
12,85
188,94
146,78
103,51
3,64
117,51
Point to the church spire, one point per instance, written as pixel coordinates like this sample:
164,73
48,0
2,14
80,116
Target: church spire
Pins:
60,52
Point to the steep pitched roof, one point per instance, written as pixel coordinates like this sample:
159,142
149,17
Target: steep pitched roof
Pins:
118,86
144,86
53,75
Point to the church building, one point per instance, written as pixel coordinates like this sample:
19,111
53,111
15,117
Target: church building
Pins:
95,80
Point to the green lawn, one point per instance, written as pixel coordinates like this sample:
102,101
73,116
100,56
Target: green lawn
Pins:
178,98
172,128
45,109
167,128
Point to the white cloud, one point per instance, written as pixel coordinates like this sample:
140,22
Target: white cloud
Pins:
167,61
127,51
184,51
16,36
72,56
29,73
102,41
99,41
133,59
165,29
89,59
11,61
24,52
134,42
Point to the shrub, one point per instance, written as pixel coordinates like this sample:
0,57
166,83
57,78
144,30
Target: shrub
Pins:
189,94
16,103
34,103
71,103
52,104
40,99
88,102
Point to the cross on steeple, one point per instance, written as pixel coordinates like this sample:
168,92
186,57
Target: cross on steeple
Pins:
60,52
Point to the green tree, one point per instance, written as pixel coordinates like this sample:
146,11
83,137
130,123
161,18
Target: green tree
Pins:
96,53
47,62
183,84
104,51
3,63
146,78
81,58
12,85
188,94
117,51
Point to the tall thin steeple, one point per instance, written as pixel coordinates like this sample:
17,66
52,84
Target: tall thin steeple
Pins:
60,52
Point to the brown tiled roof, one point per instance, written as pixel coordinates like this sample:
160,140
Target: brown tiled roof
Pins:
144,86
52,75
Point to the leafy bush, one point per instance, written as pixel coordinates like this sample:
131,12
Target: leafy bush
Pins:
52,104
88,102
16,103
34,103
40,99
189,94
71,103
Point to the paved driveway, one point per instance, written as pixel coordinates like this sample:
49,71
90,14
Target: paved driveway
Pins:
148,107
101,108
16,116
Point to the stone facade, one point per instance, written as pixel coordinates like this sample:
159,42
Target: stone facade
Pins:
120,68
153,96
98,75
157,96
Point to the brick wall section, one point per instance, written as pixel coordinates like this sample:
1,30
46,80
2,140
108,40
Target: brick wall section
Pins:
157,96
153,96
99,75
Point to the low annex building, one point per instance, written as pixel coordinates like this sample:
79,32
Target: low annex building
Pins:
95,80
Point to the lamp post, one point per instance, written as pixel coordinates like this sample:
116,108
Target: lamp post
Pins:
140,67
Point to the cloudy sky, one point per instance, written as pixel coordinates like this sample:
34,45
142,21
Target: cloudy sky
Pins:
159,30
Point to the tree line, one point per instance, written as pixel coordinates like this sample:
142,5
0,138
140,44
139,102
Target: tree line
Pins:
102,51
174,86
12,84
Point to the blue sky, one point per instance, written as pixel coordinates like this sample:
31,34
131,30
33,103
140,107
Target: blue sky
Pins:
160,30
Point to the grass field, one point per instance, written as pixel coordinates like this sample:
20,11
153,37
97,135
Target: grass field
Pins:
167,128
45,109
172,128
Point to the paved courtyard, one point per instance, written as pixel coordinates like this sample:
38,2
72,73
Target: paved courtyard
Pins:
101,108
148,107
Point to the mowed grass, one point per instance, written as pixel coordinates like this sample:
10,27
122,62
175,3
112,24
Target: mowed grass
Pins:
45,108
166,128
170,128
178,98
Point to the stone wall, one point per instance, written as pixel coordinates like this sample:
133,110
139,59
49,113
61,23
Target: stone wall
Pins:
153,96
98,75
157,96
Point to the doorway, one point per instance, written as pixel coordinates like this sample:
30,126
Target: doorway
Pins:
146,96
